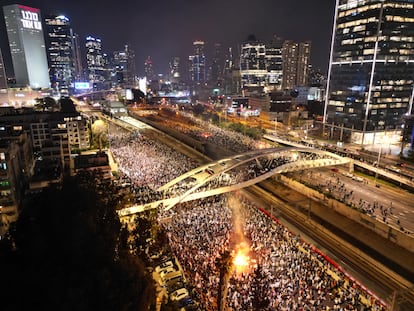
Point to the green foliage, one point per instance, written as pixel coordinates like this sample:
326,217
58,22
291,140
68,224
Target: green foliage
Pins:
46,104
68,251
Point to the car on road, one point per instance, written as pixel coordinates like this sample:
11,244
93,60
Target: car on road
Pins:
179,294
164,265
163,273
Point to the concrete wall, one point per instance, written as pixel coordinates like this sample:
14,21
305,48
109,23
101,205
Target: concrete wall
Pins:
393,234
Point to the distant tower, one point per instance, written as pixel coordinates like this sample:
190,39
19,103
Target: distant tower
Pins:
124,62
371,69
216,69
60,51
27,45
198,63
295,57
149,70
95,61
175,69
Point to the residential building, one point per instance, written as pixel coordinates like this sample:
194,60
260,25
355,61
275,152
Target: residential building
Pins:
295,58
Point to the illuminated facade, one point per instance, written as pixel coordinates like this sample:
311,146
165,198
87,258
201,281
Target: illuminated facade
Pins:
198,63
95,62
27,45
4,97
296,58
371,70
274,64
124,62
253,70
149,70
60,52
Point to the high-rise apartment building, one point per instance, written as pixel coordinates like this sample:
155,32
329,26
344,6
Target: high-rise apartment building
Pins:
60,52
27,45
296,61
95,61
197,63
371,70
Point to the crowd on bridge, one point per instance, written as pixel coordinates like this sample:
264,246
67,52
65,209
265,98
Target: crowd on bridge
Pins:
293,276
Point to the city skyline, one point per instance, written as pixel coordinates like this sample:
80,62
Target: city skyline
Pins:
164,30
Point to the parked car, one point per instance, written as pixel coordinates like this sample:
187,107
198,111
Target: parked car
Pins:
166,271
179,294
164,265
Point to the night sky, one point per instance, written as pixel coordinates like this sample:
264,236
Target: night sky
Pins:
165,28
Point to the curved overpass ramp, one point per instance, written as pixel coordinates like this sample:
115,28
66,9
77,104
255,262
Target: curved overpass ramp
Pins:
236,172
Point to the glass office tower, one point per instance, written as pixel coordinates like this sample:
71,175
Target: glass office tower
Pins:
27,45
371,70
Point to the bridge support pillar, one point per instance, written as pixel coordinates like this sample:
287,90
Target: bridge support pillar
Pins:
351,166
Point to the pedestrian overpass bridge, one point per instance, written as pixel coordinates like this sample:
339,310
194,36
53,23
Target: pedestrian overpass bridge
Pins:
234,173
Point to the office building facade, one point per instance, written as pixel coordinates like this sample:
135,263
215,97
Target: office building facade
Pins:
60,52
197,63
253,70
371,70
124,63
27,45
95,61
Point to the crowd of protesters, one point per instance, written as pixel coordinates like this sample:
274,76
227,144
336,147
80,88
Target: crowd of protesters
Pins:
293,276
201,231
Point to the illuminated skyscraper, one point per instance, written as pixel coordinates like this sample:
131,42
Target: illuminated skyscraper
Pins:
217,64
27,45
295,64
198,63
3,82
253,63
95,61
371,70
124,62
78,71
3,78
274,64
60,51
149,70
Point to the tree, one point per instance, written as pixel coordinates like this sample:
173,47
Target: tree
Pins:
68,251
260,290
46,104
99,130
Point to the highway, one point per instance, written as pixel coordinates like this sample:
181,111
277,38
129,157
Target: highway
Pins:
375,275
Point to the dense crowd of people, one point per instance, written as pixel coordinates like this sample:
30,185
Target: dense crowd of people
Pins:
334,186
201,231
294,277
